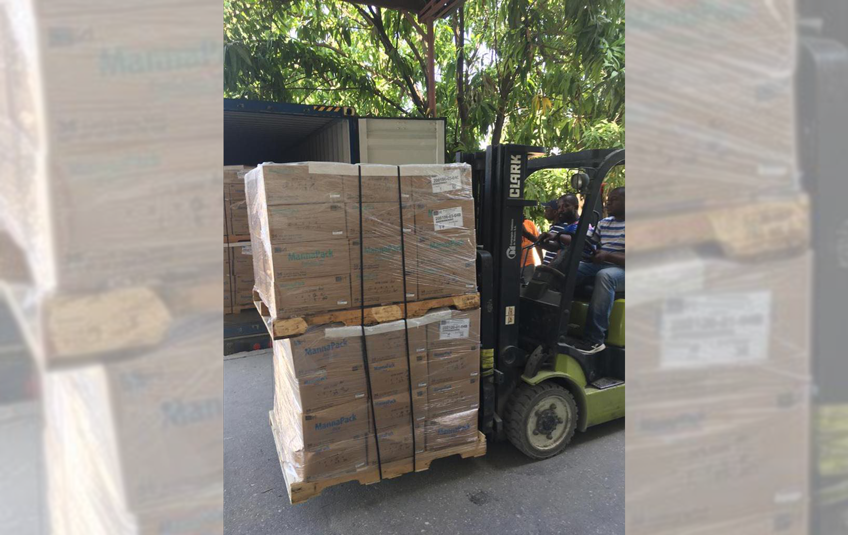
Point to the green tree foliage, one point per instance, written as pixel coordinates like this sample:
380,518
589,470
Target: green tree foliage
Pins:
547,73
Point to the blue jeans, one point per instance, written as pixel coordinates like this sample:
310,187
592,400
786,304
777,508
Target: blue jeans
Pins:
608,280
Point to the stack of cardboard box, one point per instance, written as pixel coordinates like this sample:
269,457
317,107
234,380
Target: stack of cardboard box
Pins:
109,188
309,251
238,259
719,375
354,401
326,424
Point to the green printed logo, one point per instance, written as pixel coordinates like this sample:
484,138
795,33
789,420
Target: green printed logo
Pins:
315,255
121,61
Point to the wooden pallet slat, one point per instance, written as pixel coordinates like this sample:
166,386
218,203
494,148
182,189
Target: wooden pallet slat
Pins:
71,329
742,231
300,492
284,328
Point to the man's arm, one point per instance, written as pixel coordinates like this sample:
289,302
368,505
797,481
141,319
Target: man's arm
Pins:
607,257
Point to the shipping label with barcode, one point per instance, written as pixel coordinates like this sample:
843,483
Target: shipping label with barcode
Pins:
443,183
454,329
710,330
448,218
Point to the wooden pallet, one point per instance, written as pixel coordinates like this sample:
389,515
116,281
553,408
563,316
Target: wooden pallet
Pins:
299,492
72,329
748,230
284,328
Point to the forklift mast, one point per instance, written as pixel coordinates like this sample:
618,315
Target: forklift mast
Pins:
499,176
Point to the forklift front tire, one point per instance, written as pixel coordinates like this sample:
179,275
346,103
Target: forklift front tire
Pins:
540,419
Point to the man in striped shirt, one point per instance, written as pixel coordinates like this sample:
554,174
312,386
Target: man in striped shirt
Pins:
607,270
560,234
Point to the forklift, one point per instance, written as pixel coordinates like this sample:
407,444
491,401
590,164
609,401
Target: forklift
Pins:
536,389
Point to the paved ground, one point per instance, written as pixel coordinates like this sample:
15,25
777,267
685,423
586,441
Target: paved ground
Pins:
22,478
578,492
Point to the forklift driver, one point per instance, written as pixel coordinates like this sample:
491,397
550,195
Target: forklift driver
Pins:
607,269
559,236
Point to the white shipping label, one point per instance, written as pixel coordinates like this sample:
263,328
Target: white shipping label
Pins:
710,330
443,183
247,249
454,329
447,218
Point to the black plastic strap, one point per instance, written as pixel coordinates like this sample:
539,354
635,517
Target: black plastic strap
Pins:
405,324
362,326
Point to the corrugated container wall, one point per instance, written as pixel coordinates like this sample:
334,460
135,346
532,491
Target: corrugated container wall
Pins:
401,141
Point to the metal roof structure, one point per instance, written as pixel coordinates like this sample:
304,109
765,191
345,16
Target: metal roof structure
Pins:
427,12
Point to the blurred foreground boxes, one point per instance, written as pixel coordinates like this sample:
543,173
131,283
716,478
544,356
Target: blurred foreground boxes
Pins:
108,190
113,186
719,272
714,105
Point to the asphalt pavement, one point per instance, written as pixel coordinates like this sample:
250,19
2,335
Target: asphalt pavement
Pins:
579,492
23,485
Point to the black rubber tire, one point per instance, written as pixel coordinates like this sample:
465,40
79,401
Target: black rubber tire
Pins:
518,410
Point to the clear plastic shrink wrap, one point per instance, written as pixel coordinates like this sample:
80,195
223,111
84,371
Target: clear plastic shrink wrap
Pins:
135,445
323,413
718,406
711,103
309,248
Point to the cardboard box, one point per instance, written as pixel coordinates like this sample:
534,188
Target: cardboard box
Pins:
392,410
746,127
128,215
150,427
385,254
379,219
228,295
233,174
444,250
295,223
458,396
242,291
312,259
332,459
300,183
299,297
389,376
450,365
318,349
452,429
460,331
335,424
717,457
126,76
444,216
747,39
238,222
435,183
332,386
718,317
395,443
780,520
386,341
381,288
242,259
379,184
